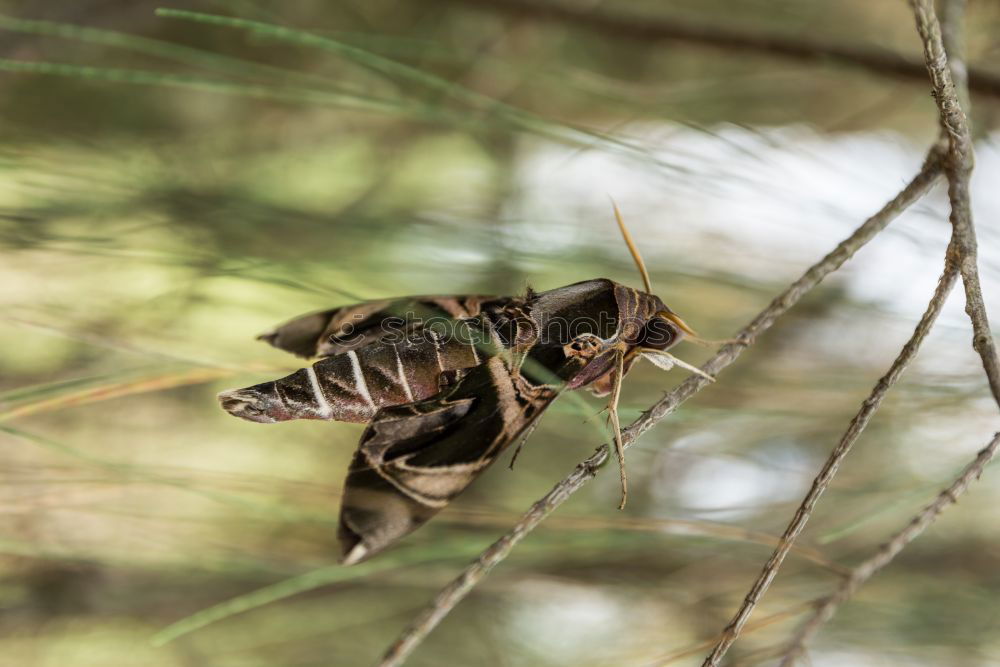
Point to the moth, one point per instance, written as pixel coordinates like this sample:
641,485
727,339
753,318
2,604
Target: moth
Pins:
446,383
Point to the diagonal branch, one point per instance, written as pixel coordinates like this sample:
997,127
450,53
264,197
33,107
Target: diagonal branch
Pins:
960,257
958,168
812,49
828,606
948,78
455,591
829,470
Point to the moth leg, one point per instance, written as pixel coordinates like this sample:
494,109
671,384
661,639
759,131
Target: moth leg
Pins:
616,390
666,361
520,443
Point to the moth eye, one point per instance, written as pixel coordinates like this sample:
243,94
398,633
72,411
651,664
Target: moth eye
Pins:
658,334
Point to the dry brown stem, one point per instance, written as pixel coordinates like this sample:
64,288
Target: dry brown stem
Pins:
948,79
832,464
827,607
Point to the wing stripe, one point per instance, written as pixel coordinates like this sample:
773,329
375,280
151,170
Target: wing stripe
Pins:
325,411
402,374
359,378
414,459
475,353
437,348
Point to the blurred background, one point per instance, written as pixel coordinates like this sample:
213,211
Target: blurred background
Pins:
173,186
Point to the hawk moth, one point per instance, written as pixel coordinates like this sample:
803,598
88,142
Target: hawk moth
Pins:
444,395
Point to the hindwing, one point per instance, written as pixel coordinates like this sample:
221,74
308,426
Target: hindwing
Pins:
414,459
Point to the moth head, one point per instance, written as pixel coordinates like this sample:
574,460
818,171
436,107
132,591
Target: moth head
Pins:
665,327
663,330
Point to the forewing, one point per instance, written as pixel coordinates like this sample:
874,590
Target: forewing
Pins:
309,335
346,328
414,459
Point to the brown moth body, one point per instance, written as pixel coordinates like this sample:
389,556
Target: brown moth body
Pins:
445,384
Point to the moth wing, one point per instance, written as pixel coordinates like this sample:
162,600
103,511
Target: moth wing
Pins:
338,330
414,459
306,335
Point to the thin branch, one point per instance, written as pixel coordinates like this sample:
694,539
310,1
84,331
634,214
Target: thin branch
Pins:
948,78
752,626
953,37
459,587
829,470
958,168
653,29
828,606
455,591
961,254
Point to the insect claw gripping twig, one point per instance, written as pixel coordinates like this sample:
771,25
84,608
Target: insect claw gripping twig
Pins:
524,438
517,451
666,361
616,426
688,367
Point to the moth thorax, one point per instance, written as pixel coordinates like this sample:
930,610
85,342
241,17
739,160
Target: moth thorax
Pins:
585,346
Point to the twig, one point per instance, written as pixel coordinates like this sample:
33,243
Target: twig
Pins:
752,626
961,255
689,527
828,606
953,37
653,29
829,470
958,167
455,591
948,78
459,587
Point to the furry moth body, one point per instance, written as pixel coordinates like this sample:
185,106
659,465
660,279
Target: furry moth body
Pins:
443,396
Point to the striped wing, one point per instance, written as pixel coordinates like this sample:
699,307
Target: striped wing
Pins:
414,459
381,366
338,330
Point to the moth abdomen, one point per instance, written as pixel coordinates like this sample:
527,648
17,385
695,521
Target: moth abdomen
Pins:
358,383
354,385
291,397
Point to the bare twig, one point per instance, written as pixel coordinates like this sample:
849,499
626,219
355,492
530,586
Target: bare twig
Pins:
712,529
953,37
958,167
948,78
455,591
811,50
752,626
829,470
828,606
459,587
961,256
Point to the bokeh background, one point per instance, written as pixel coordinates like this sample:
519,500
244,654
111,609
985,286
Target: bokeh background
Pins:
171,188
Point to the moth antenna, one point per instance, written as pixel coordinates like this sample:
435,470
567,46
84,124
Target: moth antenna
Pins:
690,334
632,249
708,342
